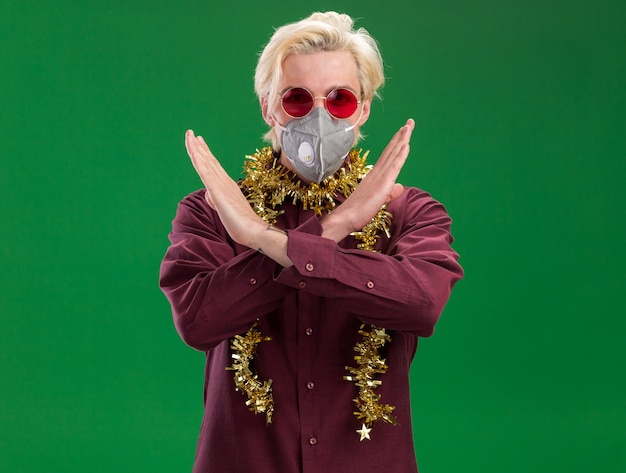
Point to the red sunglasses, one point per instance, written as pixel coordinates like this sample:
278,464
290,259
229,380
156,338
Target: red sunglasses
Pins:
297,102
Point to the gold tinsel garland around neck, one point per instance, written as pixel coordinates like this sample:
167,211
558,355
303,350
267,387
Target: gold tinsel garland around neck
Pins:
267,185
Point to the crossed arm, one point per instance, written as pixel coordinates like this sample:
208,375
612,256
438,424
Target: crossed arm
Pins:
246,228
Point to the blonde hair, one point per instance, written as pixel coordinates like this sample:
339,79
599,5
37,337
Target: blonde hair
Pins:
329,31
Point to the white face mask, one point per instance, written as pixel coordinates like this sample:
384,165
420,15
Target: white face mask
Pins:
317,144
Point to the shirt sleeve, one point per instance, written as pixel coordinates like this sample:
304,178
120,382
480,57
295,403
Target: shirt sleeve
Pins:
404,288
216,288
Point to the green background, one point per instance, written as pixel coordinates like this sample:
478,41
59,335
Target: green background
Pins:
521,122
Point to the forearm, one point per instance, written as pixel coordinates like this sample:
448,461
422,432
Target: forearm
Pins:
400,293
272,242
404,286
216,287
213,304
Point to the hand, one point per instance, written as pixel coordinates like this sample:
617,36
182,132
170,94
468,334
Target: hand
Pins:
379,187
224,196
223,193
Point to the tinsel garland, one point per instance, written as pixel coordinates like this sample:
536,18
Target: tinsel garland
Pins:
259,393
267,184
369,364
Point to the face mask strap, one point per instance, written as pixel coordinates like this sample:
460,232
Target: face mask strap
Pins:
278,125
352,127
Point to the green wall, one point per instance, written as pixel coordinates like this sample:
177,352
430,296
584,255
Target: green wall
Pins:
521,118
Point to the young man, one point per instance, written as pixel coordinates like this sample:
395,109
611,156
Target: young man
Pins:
309,282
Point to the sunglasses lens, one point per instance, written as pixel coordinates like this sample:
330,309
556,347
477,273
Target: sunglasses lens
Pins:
341,103
297,102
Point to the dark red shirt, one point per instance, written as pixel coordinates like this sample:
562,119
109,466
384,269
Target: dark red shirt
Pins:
312,311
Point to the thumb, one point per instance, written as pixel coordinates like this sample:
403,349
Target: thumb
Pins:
396,191
208,199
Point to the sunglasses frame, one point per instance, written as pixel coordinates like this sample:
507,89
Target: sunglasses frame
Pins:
314,97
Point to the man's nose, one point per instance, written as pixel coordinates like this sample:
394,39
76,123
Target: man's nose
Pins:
319,102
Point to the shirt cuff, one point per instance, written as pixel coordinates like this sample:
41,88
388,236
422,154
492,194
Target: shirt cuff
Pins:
312,255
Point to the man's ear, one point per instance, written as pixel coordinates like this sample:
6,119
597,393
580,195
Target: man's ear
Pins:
268,117
367,104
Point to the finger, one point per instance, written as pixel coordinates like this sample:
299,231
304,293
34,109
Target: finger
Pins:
401,137
405,132
395,162
188,138
197,157
201,145
194,148
388,169
199,154
397,149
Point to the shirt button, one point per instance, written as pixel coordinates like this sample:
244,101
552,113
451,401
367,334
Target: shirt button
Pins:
312,440
309,267
309,331
370,284
302,284
310,385
252,281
